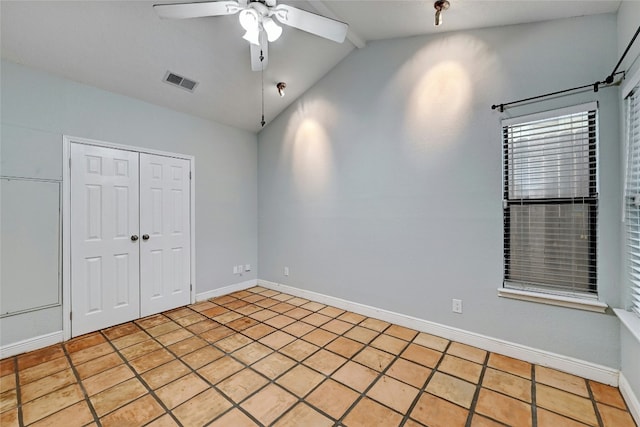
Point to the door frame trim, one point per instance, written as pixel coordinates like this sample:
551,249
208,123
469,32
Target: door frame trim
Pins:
67,140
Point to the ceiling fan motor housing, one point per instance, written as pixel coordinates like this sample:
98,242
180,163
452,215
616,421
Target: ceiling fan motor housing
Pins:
260,7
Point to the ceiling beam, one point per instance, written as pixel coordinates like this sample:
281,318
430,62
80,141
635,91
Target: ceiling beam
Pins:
321,7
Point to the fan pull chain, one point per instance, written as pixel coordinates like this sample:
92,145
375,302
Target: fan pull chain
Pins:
262,122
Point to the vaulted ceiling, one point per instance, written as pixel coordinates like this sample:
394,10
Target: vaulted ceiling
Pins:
123,47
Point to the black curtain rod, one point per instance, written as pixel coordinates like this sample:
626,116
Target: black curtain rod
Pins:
596,86
613,73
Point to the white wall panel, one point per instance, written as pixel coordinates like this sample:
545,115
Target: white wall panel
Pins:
29,273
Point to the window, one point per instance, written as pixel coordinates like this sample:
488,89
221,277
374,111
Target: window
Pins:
551,202
632,197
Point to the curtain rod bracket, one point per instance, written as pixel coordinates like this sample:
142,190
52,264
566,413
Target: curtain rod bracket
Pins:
596,86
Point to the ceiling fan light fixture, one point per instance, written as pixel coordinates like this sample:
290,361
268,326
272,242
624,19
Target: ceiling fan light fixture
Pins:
440,6
252,36
281,87
274,31
249,20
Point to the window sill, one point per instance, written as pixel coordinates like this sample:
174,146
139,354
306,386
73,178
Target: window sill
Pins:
569,302
630,320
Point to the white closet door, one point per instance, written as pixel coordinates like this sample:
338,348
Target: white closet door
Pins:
104,237
164,226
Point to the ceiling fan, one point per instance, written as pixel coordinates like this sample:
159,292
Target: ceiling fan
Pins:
256,17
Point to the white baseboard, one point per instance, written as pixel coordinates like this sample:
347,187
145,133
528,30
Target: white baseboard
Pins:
630,397
31,344
567,364
226,290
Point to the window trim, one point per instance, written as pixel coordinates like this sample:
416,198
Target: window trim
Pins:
630,83
628,302
588,300
585,303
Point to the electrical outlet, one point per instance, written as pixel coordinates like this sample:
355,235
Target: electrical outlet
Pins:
286,271
247,267
456,305
235,269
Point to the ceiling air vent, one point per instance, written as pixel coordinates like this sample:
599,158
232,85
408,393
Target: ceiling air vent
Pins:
180,81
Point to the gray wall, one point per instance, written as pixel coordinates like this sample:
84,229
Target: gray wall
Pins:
38,108
630,355
628,21
628,18
382,184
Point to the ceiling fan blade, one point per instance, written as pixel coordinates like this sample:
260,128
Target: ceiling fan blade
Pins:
197,10
311,23
256,51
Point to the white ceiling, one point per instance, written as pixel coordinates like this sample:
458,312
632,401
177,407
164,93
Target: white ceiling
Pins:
123,47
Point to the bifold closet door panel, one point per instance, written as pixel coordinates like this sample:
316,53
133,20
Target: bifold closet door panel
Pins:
165,233
105,266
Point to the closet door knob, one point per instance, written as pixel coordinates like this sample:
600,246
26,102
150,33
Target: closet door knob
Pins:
134,237
145,237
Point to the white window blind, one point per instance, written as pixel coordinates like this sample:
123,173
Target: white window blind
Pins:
632,197
551,201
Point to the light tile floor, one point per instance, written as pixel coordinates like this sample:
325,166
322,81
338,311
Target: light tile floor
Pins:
259,357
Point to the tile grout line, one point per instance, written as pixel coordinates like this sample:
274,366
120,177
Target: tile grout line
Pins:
381,374
297,362
326,377
248,366
350,359
96,418
534,404
591,398
379,333
300,362
234,405
139,377
18,388
193,371
407,415
136,376
18,391
71,366
476,394
596,409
